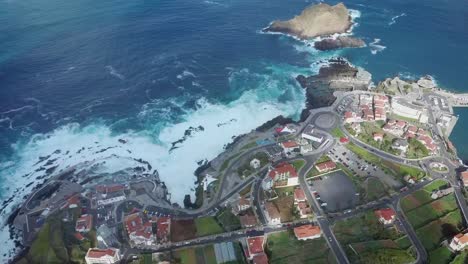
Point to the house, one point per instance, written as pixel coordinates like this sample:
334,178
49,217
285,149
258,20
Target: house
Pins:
243,204
299,195
306,232
386,215
459,242
400,144
248,220
255,164
163,229
464,177
304,209
255,246
380,114
139,232
79,236
410,179
73,202
344,140
284,174
356,127
441,193
427,142
84,223
325,166
261,258
288,129
272,214
352,117
378,136
105,256
289,146
309,133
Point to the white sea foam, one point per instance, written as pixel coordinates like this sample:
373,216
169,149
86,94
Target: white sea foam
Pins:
186,74
394,19
114,73
175,168
376,47
215,3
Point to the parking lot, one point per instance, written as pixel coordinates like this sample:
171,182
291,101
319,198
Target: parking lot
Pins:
335,191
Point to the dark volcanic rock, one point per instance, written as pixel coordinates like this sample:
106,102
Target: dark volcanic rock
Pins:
339,42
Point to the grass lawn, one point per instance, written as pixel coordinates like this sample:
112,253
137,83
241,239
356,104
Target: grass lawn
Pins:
432,211
443,228
283,247
386,255
403,242
298,164
210,256
421,197
285,191
374,189
440,255
207,226
249,145
187,256
228,220
227,161
336,132
461,258
435,185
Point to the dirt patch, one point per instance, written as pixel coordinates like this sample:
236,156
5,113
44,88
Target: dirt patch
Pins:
183,230
285,207
438,206
415,202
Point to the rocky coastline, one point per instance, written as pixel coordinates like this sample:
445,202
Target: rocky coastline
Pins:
339,43
314,21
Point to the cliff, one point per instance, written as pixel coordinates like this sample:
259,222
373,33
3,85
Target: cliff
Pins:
317,20
339,42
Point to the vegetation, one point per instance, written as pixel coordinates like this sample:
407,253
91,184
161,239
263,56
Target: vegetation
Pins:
440,255
246,170
366,240
422,196
336,132
375,189
443,228
228,220
207,226
283,247
462,258
416,149
298,164
432,211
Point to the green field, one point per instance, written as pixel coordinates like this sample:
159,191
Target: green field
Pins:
422,196
228,220
336,132
432,211
186,256
440,255
374,189
207,226
298,164
461,258
365,240
444,228
283,247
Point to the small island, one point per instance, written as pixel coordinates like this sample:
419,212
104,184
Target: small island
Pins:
314,21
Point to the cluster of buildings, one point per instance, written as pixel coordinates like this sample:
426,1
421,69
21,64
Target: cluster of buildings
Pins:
370,108
405,131
147,232
309,140
325,166
402,107
283,175
302,206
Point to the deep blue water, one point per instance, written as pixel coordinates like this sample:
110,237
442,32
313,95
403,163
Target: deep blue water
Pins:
75,74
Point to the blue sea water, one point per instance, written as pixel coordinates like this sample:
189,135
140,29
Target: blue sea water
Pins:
84,74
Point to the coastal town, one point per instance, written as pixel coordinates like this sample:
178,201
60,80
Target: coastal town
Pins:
371,175
367,175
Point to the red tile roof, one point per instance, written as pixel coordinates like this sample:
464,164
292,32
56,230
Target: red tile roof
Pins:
289,144
299,194
344,140
248,220
464,176
306,231
272,210
133,223
84,222
326,166
255,244
99,253
163,228
260,259
79,236
386,213
283,168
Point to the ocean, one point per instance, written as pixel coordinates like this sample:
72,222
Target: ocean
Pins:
77,76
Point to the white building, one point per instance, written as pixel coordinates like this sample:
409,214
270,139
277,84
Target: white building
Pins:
255,164
310,134
307,232
404,108
102,256
272,214
459,242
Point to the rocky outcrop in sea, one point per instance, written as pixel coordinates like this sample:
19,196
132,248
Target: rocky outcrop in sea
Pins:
339,43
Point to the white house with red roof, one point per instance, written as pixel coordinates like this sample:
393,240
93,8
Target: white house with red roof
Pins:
352,117
139,232
325,166
104,256
163,229
464,177
306,232
283,175
84,223
299,195
386,215
378,136
459,242
272,214
289,146
255,246
304,209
